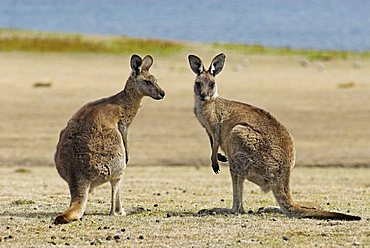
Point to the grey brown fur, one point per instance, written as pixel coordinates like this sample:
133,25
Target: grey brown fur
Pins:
93,148
257,146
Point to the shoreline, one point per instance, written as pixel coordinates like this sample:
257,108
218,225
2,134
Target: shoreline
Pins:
41,41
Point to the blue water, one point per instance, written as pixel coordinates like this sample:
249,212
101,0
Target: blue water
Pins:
319,24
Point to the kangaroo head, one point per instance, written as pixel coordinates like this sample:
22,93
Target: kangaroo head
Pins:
145,83
205,85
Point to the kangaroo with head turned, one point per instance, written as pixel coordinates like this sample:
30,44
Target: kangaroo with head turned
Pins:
93,148
257,146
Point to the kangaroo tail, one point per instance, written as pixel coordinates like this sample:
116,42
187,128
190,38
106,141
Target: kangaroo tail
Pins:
283,197
312,213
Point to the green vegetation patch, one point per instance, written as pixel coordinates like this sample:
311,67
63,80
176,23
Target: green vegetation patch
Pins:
314,55
23,170
47,42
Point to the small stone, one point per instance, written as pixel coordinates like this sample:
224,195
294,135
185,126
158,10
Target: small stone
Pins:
356,243
158,193
157,221
168,215
244,225
99,241
53,243
8,227
105,227
128,238
50,227
273,219
53,237
108,238
141,237
63,230
222,200
99,228
285,238
92,243
123,230
10,237
250,212
155,205
117,237
328,203
66,244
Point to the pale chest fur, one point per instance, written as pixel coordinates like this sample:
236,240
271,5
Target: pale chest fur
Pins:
208,116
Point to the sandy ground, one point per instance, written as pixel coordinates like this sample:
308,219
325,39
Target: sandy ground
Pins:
325,105
171,198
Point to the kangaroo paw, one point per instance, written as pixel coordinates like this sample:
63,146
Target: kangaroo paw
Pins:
221,157
216,168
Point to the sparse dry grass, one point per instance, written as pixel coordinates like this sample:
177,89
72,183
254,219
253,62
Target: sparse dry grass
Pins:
330,126
171,197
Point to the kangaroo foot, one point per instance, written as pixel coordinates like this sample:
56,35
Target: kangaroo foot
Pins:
74,212
269,210
134,210
118,211
214,211
64,219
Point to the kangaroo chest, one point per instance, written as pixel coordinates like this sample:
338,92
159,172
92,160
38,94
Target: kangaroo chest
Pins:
207,117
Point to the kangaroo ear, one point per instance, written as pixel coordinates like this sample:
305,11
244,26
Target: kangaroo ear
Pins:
217,64
196,64
147,62
135,63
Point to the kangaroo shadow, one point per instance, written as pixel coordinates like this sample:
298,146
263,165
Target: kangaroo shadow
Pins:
36,214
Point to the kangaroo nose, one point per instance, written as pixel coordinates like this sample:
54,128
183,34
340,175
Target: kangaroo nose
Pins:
162,93
203,97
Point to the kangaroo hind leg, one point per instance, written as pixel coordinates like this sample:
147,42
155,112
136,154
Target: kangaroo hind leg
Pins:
79,190
116,207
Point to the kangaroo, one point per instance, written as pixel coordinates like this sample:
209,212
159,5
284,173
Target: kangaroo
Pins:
257,146
93,148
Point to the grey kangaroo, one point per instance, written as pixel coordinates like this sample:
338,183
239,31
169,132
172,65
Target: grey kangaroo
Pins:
257,146
93,148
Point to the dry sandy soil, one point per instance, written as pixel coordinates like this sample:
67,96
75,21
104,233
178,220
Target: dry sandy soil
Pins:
325,105
171,198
